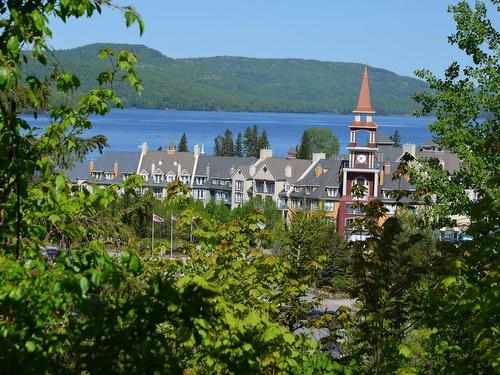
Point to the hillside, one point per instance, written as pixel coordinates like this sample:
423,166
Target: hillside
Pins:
244,84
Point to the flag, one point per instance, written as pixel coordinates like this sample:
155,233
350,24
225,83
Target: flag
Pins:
158,218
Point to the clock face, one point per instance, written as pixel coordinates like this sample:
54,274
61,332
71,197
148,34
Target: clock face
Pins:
361,158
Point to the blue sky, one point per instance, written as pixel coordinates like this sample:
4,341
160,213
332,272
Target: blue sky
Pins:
399,35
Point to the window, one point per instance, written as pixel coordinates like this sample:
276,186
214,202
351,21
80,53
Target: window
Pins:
297,189
259,186
314,205
144,176
108,176
199,194
125,176
185,180
287,186
391,208
158,192
328,206
143,190
200,180
219,195
308,190
331,192
238,185
214,181
158,178
97,175
238,198
170,178
363,182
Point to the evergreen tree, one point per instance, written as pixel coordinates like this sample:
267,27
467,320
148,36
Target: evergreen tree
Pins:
263,141
238,146
396,138
183,144
227,143
251,141
305,149
218,146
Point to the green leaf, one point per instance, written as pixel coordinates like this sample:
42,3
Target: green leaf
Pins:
447,281
30,346
60,182
84,284
405,350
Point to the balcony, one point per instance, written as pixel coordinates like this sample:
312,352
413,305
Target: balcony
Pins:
264,187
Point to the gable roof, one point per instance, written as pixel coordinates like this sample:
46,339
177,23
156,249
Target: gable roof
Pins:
278,165
168,162
127,161
220,166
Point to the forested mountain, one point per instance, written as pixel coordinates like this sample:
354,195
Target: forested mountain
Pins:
244,84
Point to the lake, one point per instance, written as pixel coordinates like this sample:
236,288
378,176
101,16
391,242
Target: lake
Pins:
126,129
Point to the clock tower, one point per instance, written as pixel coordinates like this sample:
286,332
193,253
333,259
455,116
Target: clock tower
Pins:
361,168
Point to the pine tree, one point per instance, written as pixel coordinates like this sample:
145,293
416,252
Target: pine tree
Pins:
227,143
183,144
305,149
251,141
238,146
263,141
218,148
396,138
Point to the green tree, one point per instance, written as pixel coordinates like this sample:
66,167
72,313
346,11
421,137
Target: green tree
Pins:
219,146
304,150
251,142
227,143
323,140
463,307
183,144
263,141
396,138
238,146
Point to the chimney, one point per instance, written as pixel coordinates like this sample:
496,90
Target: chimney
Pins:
196,150
91,167
115,169
410,149
203,149
152,168
179,169
317,156
381,177
387,168
318,171
207,170
144,148
288,171
252,170
266,153
231,171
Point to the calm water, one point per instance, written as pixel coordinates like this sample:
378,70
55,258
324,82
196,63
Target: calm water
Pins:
127,129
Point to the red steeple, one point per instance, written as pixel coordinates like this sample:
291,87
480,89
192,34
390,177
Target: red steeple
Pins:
364,101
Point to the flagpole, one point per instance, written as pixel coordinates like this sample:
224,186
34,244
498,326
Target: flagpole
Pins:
152,231
171,236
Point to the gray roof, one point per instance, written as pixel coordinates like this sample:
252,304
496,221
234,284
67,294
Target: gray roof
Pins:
220,166
79,171
389,153
127,161
165,162
399,184
278,165
382,140
451,162
328,178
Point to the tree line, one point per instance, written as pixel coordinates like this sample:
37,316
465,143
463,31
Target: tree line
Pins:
248,145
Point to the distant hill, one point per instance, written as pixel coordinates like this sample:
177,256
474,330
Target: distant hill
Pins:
244,84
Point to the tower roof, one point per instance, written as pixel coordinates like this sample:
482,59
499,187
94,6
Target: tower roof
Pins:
364,100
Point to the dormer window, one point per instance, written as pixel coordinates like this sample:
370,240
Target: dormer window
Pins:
331,192
125,176
158,178
287,186
170,178
108,176
97,175
185,179
144,176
